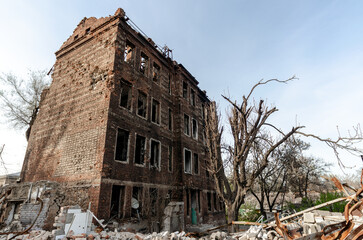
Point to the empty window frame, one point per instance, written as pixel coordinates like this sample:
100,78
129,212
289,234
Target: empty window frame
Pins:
192,97
136,200
195,163
156,72
129,52
155,111
141,104
153,201
154,153
215,206
186,125
195,129
187,161
122,145
209,200
169,83
126,95
188,202
185,90
117,201
170,120
140,149
144,62
206,168
202,113
170,159
199,206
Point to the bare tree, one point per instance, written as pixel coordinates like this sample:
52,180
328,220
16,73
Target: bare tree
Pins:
248,123
291,170
20,98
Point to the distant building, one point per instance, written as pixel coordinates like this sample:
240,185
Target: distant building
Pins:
9,178
126,121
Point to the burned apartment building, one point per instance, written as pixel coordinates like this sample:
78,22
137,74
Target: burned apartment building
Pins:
125,121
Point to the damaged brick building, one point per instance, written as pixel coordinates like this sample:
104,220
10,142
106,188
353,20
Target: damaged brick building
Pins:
125,121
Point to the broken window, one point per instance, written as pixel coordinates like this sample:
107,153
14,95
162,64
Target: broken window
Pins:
170,120
187,198
129,52
215,201
126,95
206,169
199,206
136,202
169,83
153,200
187,161
186,125
185,90
141,104
154,153
168,197
122,143
170,159
144,61
117,201
202,113
196,163
192,97
156,72
195,129
155,111
140,149
209,200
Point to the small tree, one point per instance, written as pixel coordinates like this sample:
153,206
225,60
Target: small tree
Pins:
20,99
248,123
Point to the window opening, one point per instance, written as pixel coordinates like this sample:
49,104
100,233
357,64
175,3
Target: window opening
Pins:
170,120
122,143
196,163
129,52
209,199
195,129
192,97
141,104
144,60
206,168
153,200
140,149
199,206
187,161
154,153
117,201
156,72
126,95
170,158
169,83
185,90
215,201
168,197
136,195
188,203
155,111
186,125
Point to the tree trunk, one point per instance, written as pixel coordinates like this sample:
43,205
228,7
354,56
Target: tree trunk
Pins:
232,214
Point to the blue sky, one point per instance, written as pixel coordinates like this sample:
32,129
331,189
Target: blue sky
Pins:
227,45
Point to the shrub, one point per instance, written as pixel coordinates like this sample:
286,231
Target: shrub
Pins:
248,213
